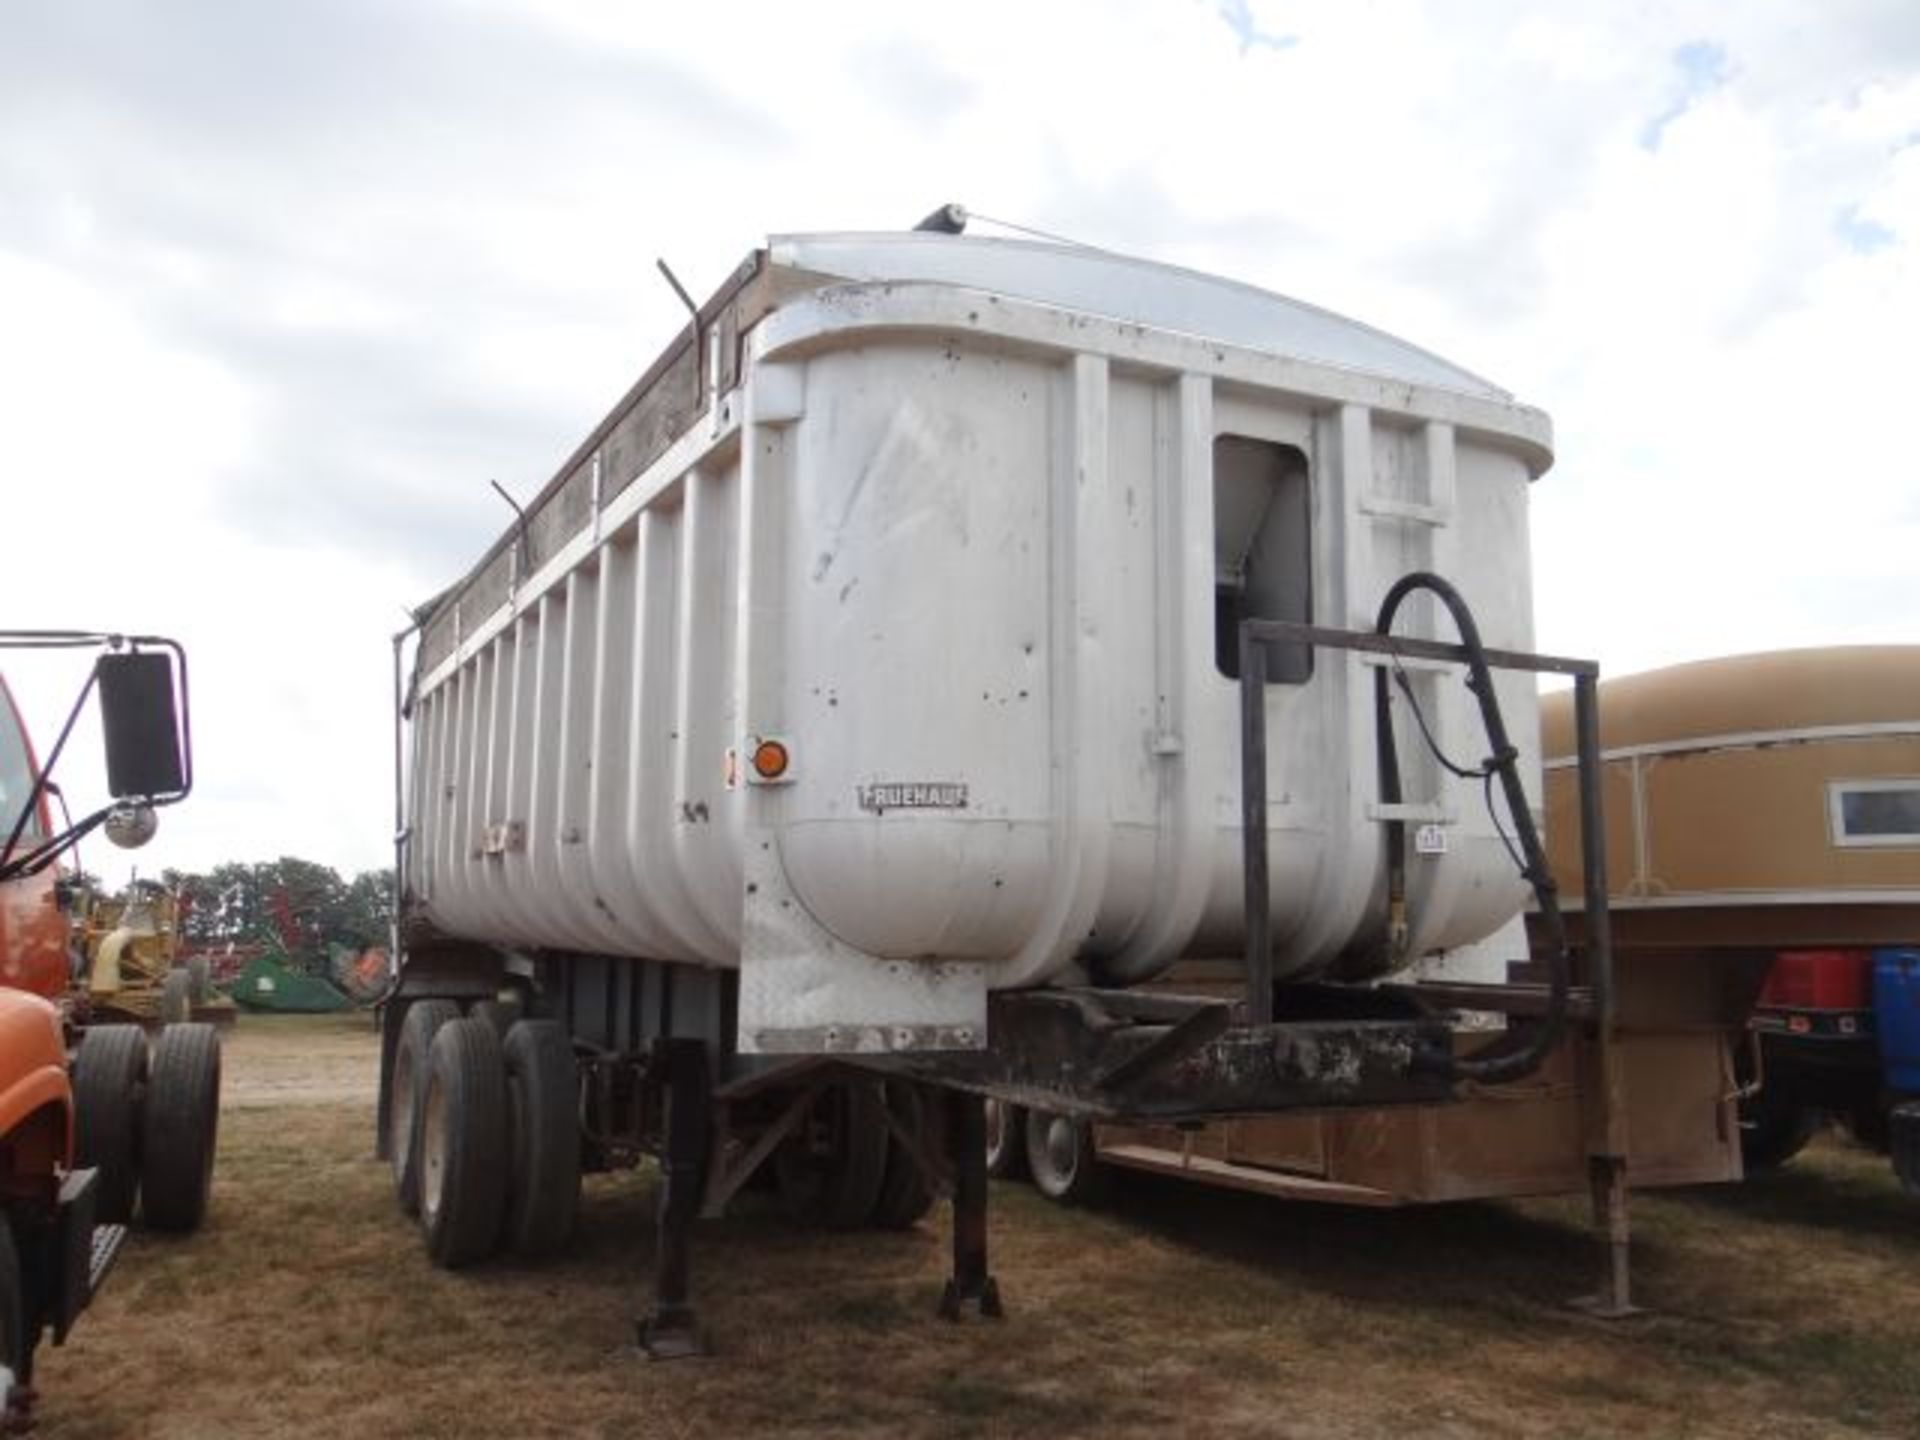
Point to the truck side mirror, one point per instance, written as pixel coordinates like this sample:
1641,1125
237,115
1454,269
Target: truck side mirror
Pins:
141,721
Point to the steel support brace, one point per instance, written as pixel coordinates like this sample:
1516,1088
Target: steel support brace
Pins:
1607,1142
672,1332
970,1283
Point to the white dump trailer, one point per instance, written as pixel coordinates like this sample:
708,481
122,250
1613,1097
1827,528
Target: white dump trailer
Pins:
889,656
885,688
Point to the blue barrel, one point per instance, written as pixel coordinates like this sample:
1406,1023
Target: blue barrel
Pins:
1896,1004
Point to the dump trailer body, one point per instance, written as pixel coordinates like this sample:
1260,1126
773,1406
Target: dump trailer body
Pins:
880,644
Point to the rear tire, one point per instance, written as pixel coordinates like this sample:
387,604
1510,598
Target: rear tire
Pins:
13,1317
543,1132
176,997
463,1144
1006,1140
182,1126
1869,1125
1061,1159
1774,1130
200,976
830,1169
497,1013
409,1086
1904,1145
109,1085
905,1192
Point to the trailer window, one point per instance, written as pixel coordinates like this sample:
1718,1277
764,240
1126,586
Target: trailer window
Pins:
1262,549
1874,812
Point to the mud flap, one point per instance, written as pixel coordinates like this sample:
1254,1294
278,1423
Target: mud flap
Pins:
83,1252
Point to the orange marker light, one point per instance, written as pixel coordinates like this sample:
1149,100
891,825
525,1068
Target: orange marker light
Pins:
770,759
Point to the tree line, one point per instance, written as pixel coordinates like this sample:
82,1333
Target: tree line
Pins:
307,906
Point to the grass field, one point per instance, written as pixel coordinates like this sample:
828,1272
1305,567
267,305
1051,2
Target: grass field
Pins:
306,1306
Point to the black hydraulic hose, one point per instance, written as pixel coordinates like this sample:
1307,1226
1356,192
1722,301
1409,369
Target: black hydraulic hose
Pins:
1504,762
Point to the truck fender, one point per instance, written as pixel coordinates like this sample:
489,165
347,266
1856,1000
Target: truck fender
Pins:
34,1086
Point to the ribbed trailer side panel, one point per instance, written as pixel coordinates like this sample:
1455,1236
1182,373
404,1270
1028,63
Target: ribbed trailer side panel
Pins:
975,563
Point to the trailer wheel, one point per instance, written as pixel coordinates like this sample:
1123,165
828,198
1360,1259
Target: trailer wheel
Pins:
409,1084
1061,1159
830,1170
463,1144
109,1083
182,1124
905,1192
543,1129
1006,1140
176,997
1774,1129
496,1013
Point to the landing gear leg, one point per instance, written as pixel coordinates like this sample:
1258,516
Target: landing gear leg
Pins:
1614,1301
672,1332
970,1283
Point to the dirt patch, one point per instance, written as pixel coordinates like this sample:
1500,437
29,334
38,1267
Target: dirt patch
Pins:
275,1061
307,1307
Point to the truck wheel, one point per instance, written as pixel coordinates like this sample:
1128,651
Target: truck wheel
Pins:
463,1144
181,1125
1868,1123
176,998
109,1084
1006,1140
1774,1129
543,1132
200,976
409,1082
829,1171
1061,1159
1903,1124
905,1192
13,1319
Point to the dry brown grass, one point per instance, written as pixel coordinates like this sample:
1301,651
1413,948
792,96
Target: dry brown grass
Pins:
307,1307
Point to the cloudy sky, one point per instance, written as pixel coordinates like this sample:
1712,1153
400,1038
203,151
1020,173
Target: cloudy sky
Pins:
284,285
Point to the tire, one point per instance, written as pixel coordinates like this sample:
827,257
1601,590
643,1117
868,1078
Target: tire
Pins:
200,975
829,1172
13,1317
1869,1125
182,1126
1903,1127
497,1013
543,1138
1006,1141
176,997
1774,1129
1061,1160
109,1087
409,1085
464,1153
905,1193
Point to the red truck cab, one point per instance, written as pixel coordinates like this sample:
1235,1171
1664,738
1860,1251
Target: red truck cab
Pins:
52,1253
